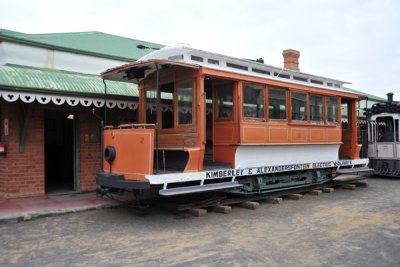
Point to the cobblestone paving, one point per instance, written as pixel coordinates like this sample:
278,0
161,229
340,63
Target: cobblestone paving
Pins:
345,228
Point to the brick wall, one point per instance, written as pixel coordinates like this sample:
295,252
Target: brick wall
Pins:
23,174
3,159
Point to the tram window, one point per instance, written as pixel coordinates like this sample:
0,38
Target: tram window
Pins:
277,104
316,113
185,97
332,109
299,108
151,106
225,100
371,131
385,129
167,105
253,101
396,127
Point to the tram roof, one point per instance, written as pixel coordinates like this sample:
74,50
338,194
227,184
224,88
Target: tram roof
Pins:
194,58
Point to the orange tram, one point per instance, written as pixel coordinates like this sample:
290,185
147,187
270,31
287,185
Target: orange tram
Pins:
212,122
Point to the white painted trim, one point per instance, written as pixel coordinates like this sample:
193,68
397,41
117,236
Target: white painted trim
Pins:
12,96
58,100
165,179
26,98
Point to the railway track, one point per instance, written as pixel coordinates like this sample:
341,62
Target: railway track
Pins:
219,202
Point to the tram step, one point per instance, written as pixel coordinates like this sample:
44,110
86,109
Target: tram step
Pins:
353,170
198,188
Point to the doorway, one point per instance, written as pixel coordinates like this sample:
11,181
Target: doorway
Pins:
220,122
208,155
60,152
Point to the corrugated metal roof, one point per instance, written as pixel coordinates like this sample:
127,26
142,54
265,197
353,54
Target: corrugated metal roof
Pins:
44,80
93,43
370,97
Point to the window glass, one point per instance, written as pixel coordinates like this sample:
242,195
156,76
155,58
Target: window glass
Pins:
332,109
277,104
167,105
253,101
151,105
299,108
345,118
225,100
385,129
185,99
316,113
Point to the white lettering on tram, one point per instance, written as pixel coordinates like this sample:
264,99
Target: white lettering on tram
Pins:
273,169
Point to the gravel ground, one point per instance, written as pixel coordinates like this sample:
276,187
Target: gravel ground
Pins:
345,228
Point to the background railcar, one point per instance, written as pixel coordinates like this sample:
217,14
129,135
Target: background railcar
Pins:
210,122
383,137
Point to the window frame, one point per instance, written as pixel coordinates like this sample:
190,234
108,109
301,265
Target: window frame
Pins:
322,121
286,102
145,90
176,114
245,118
307,110
151,87
173,107
215,99
337,110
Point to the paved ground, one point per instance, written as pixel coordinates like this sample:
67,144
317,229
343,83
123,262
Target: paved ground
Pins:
345,228
20,209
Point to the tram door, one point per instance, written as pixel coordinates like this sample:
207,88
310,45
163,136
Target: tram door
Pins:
221,118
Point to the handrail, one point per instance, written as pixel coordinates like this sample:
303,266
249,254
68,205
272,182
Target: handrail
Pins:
132,125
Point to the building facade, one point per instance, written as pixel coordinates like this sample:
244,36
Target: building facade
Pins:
52,102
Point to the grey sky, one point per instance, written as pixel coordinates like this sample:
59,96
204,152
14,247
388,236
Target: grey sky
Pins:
355,41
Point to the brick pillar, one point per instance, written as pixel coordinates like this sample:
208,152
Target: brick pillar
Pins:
89,150
291,59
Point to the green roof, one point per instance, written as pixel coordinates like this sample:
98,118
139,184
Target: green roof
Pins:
89,43
370,97
31,79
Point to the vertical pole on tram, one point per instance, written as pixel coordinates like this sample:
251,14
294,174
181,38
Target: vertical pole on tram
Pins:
157,105
102,124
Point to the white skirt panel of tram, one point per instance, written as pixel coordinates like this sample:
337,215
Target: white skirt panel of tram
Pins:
398,151
251,156
385,150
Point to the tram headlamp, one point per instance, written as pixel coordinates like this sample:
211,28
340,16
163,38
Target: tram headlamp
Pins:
109,154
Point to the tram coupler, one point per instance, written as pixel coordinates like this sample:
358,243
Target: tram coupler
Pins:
102,191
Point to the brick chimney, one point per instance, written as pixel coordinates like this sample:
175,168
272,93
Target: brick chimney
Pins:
291,59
